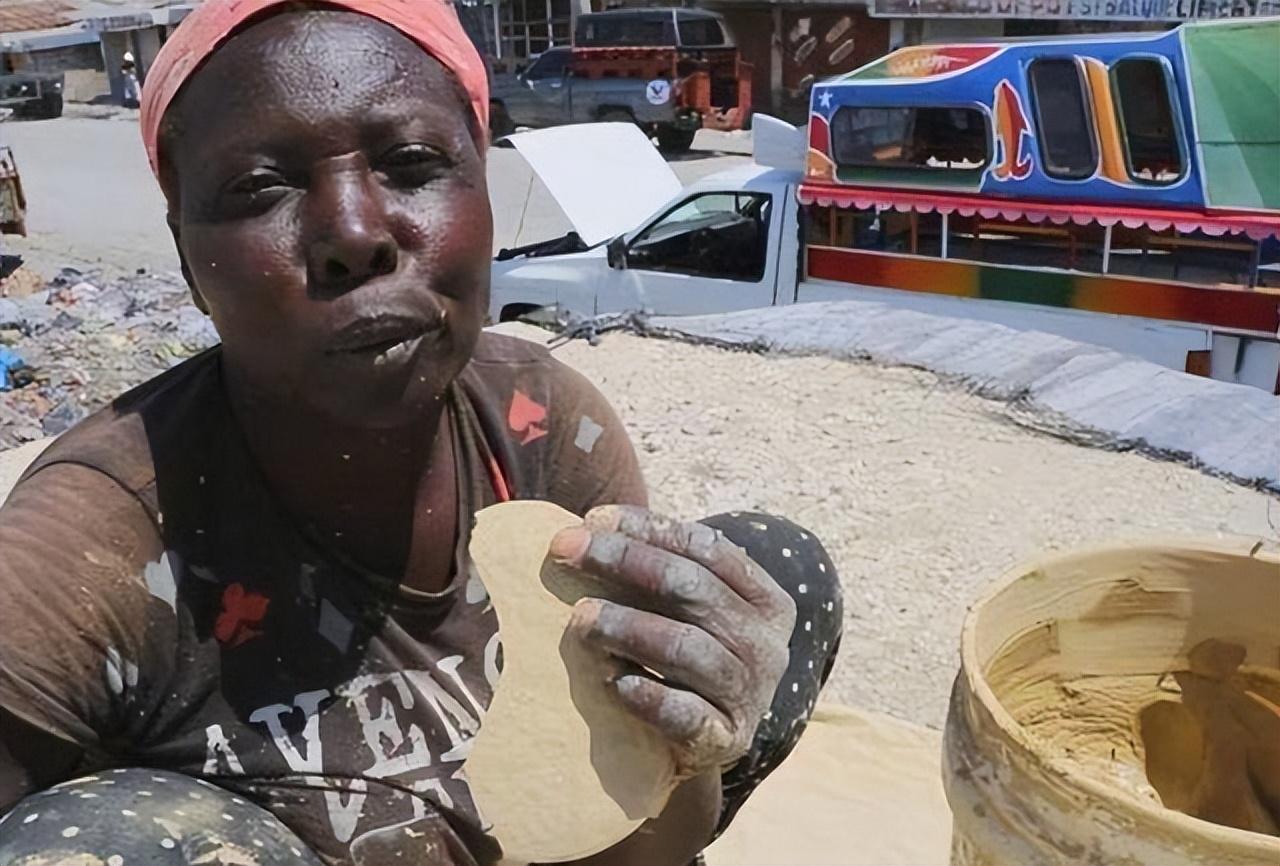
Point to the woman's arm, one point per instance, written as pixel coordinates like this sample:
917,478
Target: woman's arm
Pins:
676,836
73,549
31,760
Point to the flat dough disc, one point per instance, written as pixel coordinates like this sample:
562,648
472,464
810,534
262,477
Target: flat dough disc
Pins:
559,769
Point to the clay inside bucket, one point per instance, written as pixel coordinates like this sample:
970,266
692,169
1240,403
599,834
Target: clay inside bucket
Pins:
1153,670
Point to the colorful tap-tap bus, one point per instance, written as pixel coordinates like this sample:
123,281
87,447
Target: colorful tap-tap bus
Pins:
1131,175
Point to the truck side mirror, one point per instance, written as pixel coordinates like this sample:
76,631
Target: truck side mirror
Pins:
617,253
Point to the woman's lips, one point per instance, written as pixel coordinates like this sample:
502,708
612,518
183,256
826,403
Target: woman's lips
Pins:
379,334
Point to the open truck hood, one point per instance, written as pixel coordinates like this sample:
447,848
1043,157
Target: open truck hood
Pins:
606,177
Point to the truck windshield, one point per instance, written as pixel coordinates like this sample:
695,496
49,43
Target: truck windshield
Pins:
550,65
720,235
607,31
701,33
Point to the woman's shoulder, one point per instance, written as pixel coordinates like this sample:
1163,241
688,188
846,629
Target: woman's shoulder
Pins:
124,440
505,349
558,427
503,365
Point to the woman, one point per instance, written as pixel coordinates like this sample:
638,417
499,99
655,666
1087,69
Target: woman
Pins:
252,571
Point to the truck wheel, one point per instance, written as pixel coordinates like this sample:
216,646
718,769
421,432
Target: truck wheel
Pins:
615,115
671,140
500,124
52,106
515,312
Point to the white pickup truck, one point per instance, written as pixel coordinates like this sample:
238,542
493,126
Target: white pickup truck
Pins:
736,240
728,242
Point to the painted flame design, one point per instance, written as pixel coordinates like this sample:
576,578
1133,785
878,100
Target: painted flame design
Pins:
1011,129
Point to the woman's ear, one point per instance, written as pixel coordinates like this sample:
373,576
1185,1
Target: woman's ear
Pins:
196,297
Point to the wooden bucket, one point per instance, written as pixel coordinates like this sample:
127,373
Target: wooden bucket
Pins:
1044,759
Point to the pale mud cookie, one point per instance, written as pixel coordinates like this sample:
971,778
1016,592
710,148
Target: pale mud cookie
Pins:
135,816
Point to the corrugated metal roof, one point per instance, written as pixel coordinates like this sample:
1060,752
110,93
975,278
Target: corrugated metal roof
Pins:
41,40
45,15
22,16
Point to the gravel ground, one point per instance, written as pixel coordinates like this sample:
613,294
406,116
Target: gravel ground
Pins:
923,494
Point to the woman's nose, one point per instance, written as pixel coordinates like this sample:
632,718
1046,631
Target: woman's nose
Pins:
351,242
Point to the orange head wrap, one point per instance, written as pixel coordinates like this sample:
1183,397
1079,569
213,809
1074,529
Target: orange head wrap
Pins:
432,24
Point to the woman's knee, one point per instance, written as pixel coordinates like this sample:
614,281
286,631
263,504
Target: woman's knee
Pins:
796,559
144,816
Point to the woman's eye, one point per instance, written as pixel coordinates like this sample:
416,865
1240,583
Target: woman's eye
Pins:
257,181
412,164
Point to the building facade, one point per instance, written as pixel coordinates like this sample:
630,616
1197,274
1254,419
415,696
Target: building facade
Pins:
794,43
87,39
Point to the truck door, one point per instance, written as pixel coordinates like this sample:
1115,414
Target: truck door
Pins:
549,88
711,252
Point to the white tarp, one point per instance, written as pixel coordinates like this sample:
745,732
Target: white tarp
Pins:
1075,389
606,177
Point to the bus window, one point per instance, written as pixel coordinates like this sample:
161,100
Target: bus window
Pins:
926,139
1063,121
1144,102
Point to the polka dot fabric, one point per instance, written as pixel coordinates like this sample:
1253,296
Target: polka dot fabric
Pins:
135,816
800,565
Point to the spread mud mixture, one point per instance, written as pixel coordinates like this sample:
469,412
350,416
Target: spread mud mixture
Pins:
1204,740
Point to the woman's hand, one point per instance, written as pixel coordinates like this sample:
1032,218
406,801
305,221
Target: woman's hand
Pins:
695,610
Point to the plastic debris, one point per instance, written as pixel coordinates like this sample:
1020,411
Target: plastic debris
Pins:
85,342
9,362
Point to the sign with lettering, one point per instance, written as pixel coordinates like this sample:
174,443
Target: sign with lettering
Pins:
1097,10
111,23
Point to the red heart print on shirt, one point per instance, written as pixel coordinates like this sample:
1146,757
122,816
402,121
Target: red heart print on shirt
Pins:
525,416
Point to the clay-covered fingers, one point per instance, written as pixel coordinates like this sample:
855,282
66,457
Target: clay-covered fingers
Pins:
688,567
660,581
711,625
703,737
701,543
682,654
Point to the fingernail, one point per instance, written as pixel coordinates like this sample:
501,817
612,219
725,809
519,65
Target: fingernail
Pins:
628,685
570,545
586,613
604,518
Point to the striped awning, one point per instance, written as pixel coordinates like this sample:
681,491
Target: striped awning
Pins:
1217,222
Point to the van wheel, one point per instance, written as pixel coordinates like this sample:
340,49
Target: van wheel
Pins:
500,123
672,140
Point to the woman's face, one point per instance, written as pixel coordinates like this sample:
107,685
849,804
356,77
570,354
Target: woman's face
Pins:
329,202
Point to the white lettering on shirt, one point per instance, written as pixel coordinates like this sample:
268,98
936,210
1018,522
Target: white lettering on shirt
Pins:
217,747
312,761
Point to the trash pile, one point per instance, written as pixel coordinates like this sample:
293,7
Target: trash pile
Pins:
69,348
